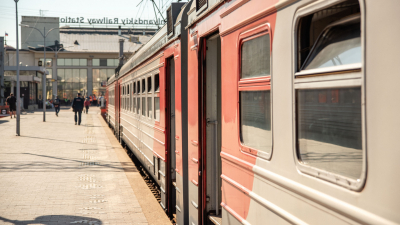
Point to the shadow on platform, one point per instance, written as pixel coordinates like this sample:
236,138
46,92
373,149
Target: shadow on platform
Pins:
52,219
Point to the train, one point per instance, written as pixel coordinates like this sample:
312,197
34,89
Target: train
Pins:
267,111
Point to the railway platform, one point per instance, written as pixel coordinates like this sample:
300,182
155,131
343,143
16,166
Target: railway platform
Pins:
57,172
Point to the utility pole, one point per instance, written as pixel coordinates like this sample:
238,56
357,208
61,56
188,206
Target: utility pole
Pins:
44,35
44,76
18,84
2,54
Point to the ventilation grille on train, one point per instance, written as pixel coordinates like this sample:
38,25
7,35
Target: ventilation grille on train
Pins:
200,4
170,25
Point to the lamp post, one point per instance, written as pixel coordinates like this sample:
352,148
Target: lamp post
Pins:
44,35
18,84
56,55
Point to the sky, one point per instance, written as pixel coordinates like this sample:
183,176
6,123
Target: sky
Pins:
87,9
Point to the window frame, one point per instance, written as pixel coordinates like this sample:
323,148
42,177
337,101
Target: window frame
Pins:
254,84
346,76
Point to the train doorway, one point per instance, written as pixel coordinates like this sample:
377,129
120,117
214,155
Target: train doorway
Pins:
211,130
170,201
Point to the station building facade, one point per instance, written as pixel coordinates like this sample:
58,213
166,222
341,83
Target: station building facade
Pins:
78,59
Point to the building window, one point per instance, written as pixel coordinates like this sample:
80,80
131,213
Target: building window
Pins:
255,94
105,62
71,82
100,77
329,124
72,62
49,62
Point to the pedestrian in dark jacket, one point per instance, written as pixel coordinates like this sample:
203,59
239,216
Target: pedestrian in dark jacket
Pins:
57,104
77,107
12,102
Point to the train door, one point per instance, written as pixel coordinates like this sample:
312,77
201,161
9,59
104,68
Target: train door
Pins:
170,201
211,130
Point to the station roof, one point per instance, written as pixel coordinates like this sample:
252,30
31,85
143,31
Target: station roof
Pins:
103,39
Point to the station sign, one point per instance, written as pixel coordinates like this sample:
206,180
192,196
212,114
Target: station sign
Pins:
106,20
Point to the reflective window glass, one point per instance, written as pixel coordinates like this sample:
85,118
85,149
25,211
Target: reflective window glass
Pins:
156,82
149,84
75,75
138,106
255,57
68,62
157,108
149,107
96,62
103,62
83,62
143,106
61,62
337,45
329,126
110,62
134,105
60,75
68,75
83,75
255,120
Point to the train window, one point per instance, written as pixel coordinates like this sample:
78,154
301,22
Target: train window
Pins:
134,105
129,98
143,85
157,108
329,130
328,91
330,38
156,83
149,106
255,52
338,44
138,105
255,94
134,87
149,84
143,106
138,87
255,119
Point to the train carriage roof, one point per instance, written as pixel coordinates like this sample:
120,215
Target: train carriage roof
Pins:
157,42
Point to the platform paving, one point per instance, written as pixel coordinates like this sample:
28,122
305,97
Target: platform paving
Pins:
57,172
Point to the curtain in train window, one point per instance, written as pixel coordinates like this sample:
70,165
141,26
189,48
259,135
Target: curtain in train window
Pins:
255,119
255,53
329,131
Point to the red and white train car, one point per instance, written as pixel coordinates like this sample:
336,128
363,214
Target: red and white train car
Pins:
270,111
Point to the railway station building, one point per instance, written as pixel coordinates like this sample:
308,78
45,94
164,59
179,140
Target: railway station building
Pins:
78,59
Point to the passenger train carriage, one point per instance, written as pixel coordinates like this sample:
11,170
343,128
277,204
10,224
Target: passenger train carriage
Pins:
267,111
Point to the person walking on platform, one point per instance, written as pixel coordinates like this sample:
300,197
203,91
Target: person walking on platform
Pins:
87,103
77,107
12,102
57,104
